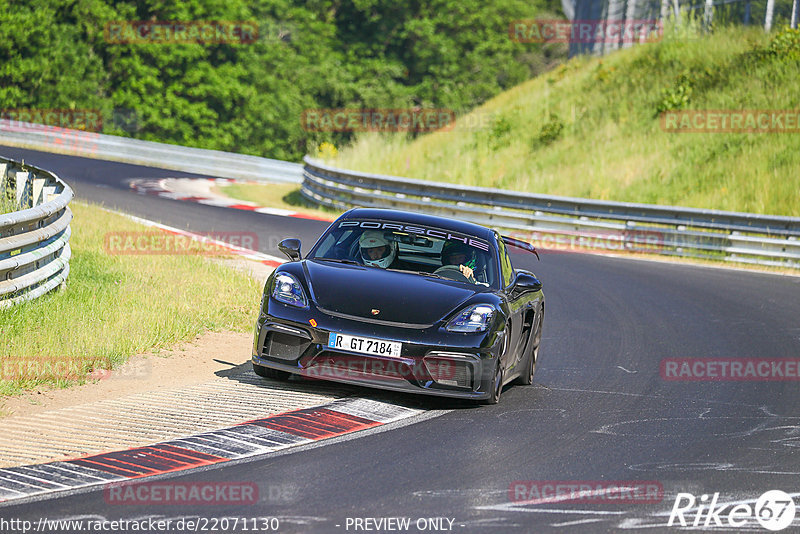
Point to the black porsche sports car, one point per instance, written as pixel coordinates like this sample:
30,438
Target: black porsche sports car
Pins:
402,301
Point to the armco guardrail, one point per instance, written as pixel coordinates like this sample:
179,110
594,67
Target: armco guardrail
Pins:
113,148
564,223
34,240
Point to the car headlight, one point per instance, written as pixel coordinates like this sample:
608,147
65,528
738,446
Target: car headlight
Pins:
476,318
286,289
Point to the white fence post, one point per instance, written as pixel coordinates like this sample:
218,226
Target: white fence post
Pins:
21,179
708,15
768,17
38,190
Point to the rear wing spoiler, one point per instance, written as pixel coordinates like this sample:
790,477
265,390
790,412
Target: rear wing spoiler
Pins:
516,243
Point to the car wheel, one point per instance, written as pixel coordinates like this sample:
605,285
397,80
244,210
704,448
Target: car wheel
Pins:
274,374
526,378
496,388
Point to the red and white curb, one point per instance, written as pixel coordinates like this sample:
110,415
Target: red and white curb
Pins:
193,192
244,440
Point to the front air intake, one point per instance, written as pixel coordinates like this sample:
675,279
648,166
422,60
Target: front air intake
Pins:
284,346
450,372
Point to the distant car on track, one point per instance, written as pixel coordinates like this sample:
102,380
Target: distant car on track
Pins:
405,302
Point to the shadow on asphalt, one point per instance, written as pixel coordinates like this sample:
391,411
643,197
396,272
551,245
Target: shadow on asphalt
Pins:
244,373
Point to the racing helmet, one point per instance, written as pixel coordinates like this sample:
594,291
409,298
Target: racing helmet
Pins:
376,250
452,248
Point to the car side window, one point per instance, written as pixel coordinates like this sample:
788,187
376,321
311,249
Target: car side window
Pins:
506,268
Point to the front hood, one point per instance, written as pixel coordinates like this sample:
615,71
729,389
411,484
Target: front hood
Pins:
401,297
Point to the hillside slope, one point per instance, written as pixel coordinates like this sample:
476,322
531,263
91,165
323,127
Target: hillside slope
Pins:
591,128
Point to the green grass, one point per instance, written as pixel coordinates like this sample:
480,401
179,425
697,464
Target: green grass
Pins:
7,205
591,128
283,196
115,306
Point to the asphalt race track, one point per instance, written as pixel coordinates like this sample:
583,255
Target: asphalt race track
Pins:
599,409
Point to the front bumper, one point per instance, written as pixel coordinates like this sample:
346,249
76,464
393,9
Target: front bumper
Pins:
433,361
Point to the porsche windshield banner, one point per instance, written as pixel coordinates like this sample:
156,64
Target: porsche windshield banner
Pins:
418,230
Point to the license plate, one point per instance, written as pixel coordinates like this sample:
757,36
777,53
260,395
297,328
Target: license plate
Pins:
364,345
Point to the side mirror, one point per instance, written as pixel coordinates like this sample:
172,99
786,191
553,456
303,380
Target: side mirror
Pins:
527,282
290,247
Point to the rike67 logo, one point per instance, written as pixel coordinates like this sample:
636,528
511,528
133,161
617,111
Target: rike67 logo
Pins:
774,510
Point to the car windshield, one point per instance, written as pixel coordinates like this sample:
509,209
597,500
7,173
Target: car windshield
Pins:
427,251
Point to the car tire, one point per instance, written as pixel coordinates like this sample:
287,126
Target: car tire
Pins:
526,378
496,388
274,374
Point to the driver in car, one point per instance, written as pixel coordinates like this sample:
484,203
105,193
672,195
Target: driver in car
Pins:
460,256
377,251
